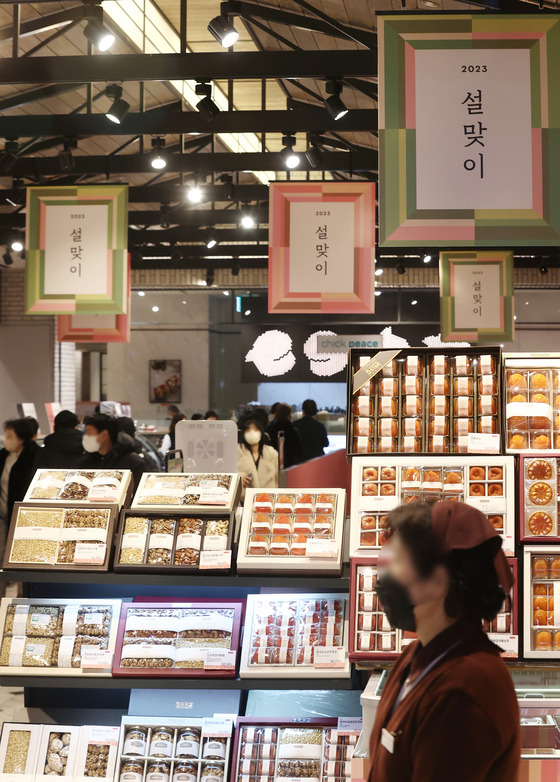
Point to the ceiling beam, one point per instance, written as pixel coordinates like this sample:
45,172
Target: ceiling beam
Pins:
300,120
43,24
206,66
163,193
34,168
186,233
197,251
202,263
22,97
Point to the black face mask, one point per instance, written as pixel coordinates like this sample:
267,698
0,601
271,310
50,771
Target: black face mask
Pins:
396,603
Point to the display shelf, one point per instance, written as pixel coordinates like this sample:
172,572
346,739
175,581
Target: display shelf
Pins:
278,581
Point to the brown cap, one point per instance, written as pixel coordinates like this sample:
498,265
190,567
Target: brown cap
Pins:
460,526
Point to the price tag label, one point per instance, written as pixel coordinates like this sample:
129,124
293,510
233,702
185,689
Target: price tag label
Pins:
507,643
330,657
94,658
219,660
219,727
213,495
508,545
215,560
103,494
90,553
483,443
349,725
325,548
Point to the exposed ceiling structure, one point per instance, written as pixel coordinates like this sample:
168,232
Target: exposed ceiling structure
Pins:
300,78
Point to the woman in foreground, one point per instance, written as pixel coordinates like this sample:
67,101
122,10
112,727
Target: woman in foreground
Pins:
448,710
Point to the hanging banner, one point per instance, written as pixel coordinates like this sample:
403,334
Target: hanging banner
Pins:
321,247
476,290
76,240
469,112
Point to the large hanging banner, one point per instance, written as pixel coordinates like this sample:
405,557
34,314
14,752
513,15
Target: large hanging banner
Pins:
476,290
469,130
77,257
321,247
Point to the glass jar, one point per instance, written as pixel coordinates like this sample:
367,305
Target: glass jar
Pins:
212,771
135,740
161,745
188,743
158,771
185,771
131,771
214,748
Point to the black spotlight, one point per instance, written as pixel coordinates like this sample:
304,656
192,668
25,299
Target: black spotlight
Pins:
65,159
119,107
223,31
96,32
136,256
210,277
334,103
235,270
400,268
9,157
7,258
211,241
176,256
314,156
543,268
206,106
227,181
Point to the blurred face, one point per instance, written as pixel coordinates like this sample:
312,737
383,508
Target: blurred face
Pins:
12,443
421,590
252,434
96,441
212,418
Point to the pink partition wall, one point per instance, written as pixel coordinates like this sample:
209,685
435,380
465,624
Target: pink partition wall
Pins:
332,470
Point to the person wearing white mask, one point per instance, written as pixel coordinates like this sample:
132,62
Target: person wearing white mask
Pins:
257,462
17,459
108,449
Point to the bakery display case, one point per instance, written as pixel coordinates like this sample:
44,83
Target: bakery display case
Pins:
295,636
277,749
157,749
62,536
196,639
292,531
371,637
539,496
380,484
532,403
55,637
164,542
424,400
80,487
203,492
541,602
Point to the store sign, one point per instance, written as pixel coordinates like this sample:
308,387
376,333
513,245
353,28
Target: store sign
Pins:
321,248
476,290
466,106
343,342
77,259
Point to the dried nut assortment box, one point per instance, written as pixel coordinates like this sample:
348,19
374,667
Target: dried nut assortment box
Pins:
81,487
270,750
539,497
151,541
172,750
380,484
62,536
292,530
35,752
422,401
541,602
372,637
203,492
532,386
189,639
295,636
47,637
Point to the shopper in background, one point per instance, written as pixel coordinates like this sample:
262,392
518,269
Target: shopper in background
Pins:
196,417
292,442
168,443
448,710
257,462
210,415
33,425
63,448
127,426
107,450
17,467
312,433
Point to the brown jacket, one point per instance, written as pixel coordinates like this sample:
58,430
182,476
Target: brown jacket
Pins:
461,721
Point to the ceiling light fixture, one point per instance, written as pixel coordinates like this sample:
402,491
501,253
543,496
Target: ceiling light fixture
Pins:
155,308
96,32
314,155
194,194
65,159
229,190
235,269
206,105
176,256
334,103
378,272
158,160
543,268
291,159
7,258
141,293
247,312
400,268
247,218
119,107
17,245
427,258
414,302
209,278
223,31
9,157
211,241
378,293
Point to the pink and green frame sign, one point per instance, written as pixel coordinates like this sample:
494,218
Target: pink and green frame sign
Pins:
77,256
321,247
476,296
469,130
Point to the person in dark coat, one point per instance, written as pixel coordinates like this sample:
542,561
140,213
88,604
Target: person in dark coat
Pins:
292,443
449,709
107,449
17,467
127,425
63,449
312,433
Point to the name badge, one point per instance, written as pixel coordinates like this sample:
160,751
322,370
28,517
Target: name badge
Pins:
388,740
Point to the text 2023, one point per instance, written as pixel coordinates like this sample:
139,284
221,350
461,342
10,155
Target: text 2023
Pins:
322,214
474,69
